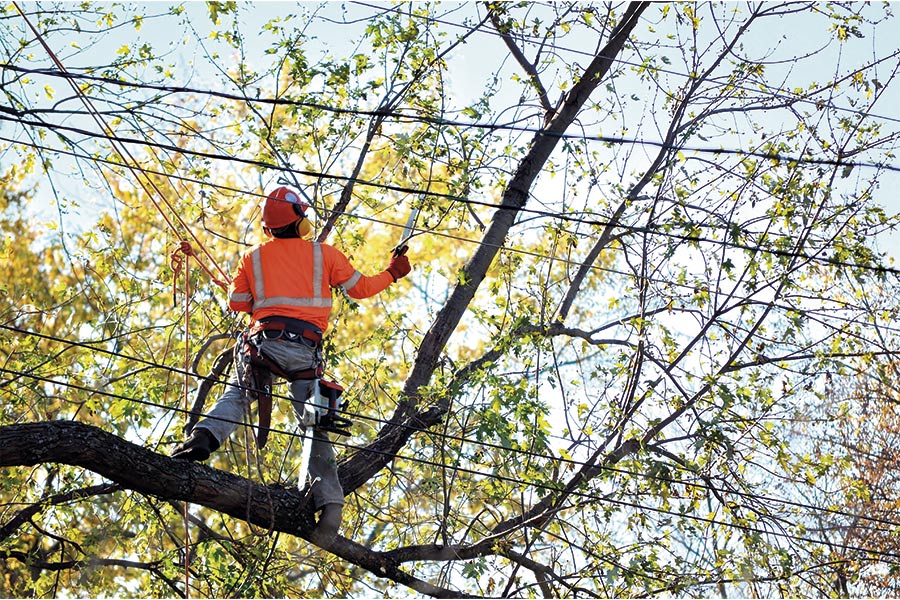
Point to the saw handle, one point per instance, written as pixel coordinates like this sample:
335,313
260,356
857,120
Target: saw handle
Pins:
399,266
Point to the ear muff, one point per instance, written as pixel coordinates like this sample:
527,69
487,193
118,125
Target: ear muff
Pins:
304,227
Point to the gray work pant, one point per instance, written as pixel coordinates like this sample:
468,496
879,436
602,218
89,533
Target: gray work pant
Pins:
229,410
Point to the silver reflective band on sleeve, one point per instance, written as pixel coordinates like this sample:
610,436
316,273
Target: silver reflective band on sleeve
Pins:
351,283
242,297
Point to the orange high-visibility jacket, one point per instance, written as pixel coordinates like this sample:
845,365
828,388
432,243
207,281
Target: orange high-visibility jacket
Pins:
293,278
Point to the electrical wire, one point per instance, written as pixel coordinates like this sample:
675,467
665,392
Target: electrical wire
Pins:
420,118
779,93
536,485
644,230
498,206
434,434
599,268
560,216
129,162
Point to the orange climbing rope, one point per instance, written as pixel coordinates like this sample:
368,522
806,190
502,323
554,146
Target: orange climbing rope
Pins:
128,161
180,259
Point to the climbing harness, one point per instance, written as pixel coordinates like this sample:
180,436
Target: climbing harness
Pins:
256,372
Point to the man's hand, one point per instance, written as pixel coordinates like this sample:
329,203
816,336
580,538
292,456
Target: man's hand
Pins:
399,266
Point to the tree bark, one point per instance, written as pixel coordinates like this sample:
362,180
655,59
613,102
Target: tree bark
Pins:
274,507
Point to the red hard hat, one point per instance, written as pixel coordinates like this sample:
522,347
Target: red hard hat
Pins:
283,207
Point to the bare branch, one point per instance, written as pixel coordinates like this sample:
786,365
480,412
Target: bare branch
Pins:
528,67
24,515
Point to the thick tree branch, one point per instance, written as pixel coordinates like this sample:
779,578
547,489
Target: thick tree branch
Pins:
134,467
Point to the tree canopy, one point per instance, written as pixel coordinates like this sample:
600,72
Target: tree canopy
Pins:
647,347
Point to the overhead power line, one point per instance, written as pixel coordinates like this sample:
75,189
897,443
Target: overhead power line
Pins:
506,248
646,230
446,437
536,485
420,118
540,41
829,261
68,75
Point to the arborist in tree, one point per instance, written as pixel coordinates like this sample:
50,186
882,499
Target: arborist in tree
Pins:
285,284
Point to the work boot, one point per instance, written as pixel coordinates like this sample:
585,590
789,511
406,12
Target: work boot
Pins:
329,522
198,446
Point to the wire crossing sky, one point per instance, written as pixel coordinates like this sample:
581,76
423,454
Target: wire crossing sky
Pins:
645,349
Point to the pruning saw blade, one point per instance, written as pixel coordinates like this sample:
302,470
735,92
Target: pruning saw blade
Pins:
408,232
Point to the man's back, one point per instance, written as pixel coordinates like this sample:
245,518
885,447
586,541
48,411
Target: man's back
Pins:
292,277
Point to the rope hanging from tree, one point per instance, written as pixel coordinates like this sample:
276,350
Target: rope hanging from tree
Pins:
180,258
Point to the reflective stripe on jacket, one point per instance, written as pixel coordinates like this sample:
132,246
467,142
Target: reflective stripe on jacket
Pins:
293,278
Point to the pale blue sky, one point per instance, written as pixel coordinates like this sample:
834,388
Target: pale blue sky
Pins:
474,62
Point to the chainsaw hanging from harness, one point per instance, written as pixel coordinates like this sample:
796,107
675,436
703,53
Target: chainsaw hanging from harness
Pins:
326,408
256,373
